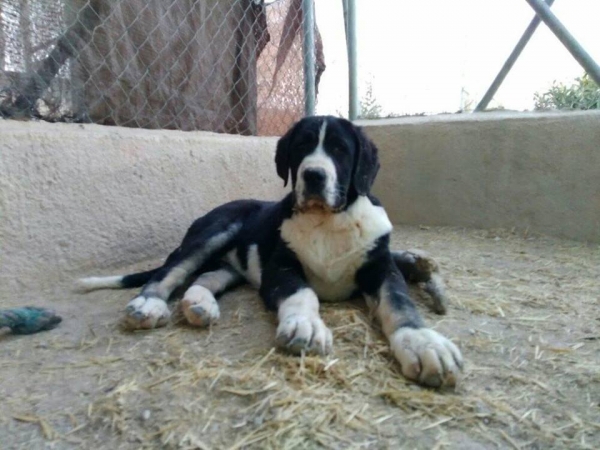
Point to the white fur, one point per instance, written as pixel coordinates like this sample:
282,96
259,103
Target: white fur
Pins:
253,271
426,356
389,317
217,280
300,326
332,247
178,274
318,159
199,306
93,283
147,312
234,261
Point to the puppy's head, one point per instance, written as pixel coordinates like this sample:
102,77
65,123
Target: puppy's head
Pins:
330,161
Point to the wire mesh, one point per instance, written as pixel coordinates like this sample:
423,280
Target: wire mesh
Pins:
229,66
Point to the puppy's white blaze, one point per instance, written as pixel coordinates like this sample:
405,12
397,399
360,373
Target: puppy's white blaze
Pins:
318,159
331,248
93,283
303,303
254,269
322,132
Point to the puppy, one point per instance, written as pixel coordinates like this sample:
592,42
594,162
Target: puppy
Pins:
327,240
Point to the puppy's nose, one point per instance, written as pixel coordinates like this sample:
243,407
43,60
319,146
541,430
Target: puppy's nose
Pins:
314,177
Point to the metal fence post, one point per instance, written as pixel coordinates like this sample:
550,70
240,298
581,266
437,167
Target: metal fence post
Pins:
350,13
561,32
308,24
510,62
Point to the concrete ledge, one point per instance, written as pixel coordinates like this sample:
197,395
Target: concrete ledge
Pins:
537,171
75,198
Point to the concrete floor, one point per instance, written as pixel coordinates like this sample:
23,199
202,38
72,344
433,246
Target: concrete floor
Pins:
524,310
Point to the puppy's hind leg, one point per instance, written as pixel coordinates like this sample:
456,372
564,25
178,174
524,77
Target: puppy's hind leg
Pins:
199,304
417,266
205,239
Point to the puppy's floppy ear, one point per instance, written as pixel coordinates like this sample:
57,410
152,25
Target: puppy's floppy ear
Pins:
282,155
366,162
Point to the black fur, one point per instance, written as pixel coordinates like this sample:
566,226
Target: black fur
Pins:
367,163
244,223
327,238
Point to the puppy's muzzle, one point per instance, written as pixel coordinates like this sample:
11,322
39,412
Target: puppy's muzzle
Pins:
314,182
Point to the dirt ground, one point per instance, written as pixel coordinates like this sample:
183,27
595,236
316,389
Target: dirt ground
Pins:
524,310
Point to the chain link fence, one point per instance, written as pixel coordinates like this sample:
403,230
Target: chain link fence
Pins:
228,66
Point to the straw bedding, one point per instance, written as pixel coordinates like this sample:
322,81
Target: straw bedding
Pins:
524,309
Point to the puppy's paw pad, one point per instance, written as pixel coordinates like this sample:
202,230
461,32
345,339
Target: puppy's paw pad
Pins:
146,312
427,357
199,306
296,333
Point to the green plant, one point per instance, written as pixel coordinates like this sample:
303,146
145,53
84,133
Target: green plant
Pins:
583,94
369,107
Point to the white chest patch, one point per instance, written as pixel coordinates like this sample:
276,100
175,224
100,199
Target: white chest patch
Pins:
331,248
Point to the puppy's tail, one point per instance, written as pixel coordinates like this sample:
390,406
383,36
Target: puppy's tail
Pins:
114,282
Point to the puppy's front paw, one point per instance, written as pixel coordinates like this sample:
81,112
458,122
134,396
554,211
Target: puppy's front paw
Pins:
199,306
426,356
147,312
298,332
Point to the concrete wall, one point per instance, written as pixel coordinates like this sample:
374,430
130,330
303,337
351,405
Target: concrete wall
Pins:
530,171
79,198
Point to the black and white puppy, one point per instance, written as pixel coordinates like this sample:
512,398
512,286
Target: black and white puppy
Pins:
327,240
